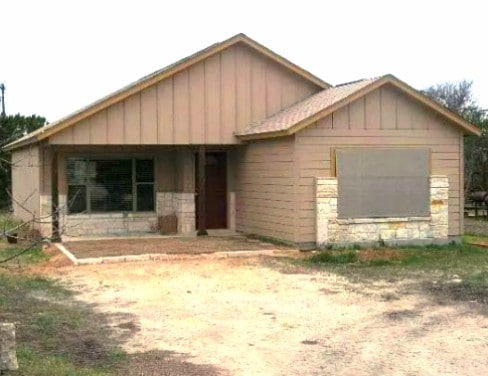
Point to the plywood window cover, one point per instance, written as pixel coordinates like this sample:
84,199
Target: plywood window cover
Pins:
394,187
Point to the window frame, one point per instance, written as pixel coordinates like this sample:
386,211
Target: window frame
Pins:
134,183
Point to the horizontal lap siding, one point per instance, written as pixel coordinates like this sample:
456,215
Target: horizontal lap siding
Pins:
265,188
384,117
206,103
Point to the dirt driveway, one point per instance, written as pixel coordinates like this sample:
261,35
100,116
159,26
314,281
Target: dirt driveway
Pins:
252,317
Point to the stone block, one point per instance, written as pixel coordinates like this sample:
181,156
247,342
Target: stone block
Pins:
322,232
397,225
326,188
370,228
439,194
439,181
165,203
322,207
387,234
440,232
414,225
404,233
8,356
425,234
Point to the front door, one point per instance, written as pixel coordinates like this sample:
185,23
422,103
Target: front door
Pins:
215,189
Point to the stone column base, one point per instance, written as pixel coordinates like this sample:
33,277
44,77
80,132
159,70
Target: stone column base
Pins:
182,205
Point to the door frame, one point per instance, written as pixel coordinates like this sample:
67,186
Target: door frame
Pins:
226,195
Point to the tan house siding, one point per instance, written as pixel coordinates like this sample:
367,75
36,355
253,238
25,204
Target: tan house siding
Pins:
382,118
264,184
45,172
203,104
165,171
25,182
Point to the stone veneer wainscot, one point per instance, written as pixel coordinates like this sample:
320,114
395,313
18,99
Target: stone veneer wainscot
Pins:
331,230
179,203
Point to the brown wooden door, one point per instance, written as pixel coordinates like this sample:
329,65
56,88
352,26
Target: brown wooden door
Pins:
216,190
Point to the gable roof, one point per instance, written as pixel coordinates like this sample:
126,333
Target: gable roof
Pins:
151,79
298,116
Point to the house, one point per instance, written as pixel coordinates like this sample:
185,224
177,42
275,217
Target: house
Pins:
237,137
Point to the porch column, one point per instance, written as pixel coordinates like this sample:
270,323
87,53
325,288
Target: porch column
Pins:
202,225
55,198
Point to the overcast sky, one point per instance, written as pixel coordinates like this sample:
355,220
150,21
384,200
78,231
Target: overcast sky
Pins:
58,56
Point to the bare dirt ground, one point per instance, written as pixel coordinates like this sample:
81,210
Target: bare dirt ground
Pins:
259,317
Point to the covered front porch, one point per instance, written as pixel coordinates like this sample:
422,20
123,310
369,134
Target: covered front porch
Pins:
114,190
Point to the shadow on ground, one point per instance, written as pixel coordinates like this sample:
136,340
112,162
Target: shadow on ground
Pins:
164,363
441,286
58,335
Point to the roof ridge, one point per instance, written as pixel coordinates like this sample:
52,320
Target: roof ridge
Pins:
357,81
349,83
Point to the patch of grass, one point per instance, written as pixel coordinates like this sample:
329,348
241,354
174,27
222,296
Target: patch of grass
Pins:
333,257
453,271
56,336
474,238
33,363
380,262
32,256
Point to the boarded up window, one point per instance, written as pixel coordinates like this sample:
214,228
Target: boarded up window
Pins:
383,182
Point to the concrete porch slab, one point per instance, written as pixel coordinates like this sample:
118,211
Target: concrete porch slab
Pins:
111,250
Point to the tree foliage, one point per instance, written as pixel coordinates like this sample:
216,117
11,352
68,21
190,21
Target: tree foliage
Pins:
13,127
459,98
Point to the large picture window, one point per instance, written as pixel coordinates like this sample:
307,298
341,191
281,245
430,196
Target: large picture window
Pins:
110,185
382,183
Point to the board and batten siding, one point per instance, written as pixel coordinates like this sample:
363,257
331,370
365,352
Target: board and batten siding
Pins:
264,184
26,167
382,118
205,103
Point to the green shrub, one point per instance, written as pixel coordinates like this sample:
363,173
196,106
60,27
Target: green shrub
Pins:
380,262
333,258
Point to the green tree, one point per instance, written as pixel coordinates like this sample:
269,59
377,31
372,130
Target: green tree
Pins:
13,127
458,97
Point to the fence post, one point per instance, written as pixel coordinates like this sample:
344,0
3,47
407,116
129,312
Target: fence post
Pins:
8,357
